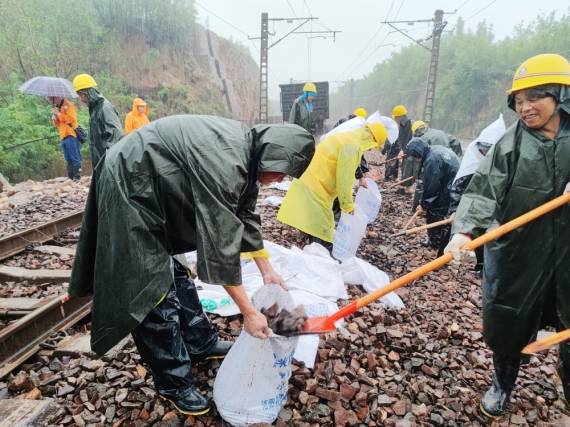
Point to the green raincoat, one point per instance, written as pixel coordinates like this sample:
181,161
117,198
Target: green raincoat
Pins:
526,277
301,116
179,184
439,137
105,127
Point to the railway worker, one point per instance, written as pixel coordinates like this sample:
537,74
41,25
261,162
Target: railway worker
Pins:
307,206
474,153
64,118
302,109
433,136
137,117
179,184
400,115
526,274
105,127
438,166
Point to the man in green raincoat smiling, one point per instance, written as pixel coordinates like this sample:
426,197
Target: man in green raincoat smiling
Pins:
180,184
526,276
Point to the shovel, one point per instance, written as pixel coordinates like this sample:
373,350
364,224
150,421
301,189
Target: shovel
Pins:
546,343
323,324
423,227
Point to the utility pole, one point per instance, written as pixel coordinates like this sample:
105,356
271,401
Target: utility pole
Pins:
264,51
263,80
438,26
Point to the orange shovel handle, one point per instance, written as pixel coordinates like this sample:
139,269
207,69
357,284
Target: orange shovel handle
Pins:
480,241
547,342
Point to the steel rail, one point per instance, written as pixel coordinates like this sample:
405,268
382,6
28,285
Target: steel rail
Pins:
22,338
15,243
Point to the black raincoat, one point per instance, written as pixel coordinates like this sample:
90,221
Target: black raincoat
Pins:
526,277
105,127
438,137
300,115
179,184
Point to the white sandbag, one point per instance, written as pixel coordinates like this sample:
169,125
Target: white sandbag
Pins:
368,200
252,382
283,185
359,272
348,235
272,201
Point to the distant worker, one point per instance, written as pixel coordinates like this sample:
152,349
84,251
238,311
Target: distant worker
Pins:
64,118
438,167
105,127
137,117
475,152
302,109
400,115
182,183
308,204
433,136
526,275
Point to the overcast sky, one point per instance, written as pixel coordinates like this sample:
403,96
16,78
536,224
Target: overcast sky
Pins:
363,40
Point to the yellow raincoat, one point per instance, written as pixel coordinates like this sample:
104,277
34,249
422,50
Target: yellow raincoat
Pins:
308,203
136,119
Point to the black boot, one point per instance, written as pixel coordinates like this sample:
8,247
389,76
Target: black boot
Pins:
494,402
219,351
191,402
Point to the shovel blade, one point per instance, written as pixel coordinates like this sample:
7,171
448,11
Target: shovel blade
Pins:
319,325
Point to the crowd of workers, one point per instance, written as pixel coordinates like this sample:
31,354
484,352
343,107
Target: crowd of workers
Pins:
187,182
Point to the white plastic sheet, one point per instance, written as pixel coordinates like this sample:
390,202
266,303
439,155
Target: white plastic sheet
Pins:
272,201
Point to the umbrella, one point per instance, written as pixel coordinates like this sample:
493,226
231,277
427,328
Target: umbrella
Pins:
49,86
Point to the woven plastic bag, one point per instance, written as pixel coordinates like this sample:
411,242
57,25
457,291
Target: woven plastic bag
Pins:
251,385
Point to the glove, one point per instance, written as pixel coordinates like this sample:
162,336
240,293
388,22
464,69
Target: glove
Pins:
454,247
420,211
567,189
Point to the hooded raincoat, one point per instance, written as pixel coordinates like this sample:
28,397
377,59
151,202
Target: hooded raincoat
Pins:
439,137
307,205
104,125
302,114
181,183
135,119
526,275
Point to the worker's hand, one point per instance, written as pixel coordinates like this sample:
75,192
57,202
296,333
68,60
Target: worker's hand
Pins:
454,247
362,182
271,277
567,189
420,211
255,324
54,111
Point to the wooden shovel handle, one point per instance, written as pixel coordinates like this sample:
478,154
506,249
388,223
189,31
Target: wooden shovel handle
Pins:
424,227
414,216
399,182
473,244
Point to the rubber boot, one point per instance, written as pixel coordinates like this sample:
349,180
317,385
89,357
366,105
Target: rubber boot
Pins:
191,403
494,402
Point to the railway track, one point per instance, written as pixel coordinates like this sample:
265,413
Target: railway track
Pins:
23,337
15,243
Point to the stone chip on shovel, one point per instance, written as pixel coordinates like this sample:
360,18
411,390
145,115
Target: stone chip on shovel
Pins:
284,322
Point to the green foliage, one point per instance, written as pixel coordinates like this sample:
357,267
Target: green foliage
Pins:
133,48
474,72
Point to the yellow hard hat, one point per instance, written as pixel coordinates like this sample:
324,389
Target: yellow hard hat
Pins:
540,70
379,132
360,112
417,125
309,87
83,81
399,110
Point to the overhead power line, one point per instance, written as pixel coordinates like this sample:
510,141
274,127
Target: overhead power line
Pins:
222,19
481,10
